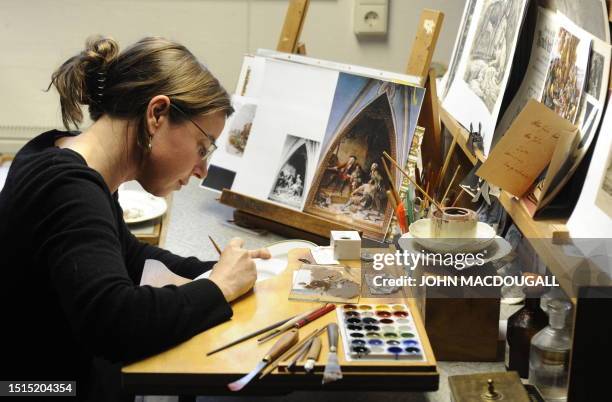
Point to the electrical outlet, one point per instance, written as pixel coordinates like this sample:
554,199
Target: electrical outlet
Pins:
370,17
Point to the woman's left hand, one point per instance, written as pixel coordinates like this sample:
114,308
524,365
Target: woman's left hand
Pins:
262,253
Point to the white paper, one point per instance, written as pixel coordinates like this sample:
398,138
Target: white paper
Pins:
589,218
324,256
296,102
476,93
157,275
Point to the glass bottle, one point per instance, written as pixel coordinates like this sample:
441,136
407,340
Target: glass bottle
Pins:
522,326
549,354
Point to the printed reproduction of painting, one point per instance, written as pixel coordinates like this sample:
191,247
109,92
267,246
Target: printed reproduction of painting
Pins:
566,73
297,163
481,76
239,129
368,117
489,56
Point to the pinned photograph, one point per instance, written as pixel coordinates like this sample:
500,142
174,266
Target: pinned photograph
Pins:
566,74
240,128
296,164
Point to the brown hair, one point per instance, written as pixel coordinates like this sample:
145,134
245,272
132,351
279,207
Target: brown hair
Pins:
122,84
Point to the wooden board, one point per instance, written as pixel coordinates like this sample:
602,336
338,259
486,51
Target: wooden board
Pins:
286,216
292,27
428,30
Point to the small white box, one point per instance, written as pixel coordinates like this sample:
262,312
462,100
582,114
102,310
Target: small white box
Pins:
346,244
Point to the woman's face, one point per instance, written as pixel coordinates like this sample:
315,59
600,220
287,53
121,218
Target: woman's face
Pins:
176,152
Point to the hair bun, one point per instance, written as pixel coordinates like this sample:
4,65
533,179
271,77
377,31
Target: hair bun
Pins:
100,52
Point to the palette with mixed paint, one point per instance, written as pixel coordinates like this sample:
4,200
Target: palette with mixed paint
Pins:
379,331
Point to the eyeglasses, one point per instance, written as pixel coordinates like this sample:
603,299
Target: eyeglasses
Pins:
205,153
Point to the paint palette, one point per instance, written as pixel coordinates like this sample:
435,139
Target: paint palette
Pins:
379,332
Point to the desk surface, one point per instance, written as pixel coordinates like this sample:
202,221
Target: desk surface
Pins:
186,366
196,213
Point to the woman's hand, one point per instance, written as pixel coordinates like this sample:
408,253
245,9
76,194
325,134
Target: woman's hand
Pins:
235,272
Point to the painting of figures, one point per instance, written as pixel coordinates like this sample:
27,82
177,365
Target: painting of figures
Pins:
566,74
350,183
295,161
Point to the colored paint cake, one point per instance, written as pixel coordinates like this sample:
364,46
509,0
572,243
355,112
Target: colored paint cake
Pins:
379,331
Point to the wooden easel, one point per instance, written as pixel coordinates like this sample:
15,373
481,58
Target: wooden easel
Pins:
251,212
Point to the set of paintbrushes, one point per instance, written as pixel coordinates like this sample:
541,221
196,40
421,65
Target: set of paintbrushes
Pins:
289,345
405,211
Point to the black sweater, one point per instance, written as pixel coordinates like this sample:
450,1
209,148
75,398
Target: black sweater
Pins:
70,271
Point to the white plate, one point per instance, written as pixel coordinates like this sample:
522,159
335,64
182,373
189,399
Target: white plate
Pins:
421,232
139,206
496,249
267,269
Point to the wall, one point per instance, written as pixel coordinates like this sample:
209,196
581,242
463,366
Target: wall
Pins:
36,36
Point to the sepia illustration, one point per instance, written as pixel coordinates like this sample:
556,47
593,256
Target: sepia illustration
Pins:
460,44
594,78
604,194
565,79
489,56
240,128
294,169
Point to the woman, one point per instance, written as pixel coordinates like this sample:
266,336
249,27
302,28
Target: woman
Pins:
70,265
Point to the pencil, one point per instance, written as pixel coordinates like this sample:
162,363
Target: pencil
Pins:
214,243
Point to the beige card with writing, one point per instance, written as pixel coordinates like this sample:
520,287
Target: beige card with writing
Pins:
525,149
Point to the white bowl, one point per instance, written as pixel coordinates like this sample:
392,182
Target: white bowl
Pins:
421,232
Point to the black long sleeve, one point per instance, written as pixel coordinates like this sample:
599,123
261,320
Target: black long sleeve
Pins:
74,269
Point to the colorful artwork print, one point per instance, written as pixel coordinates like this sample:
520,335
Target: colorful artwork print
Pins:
489,56
296,160
350,183
238,133
565,79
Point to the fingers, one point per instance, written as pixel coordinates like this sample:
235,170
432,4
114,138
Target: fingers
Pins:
236,242
260,253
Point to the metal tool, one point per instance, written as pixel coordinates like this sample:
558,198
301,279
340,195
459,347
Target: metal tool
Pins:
252,335
299,322
332,368
285,342
313,355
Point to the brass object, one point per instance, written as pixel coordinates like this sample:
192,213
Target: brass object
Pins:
491,394
503,386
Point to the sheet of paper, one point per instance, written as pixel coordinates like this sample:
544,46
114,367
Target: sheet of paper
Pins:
526,149
266,269
324,256
157,275
478,88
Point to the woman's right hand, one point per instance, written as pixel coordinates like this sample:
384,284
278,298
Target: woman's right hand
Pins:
235,272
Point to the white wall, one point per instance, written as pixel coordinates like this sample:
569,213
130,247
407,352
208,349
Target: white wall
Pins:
36,36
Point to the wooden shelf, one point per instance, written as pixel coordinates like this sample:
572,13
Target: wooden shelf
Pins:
541,234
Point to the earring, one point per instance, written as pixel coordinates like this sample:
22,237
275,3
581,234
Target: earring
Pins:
150,145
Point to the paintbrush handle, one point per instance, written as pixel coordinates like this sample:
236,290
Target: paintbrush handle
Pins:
314,315
315,349
285,342
332,336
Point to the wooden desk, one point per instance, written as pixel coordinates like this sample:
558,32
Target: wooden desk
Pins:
186,370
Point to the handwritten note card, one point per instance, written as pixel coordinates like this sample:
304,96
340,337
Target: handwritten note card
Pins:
526,149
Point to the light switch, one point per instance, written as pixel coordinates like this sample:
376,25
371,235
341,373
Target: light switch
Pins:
370,17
